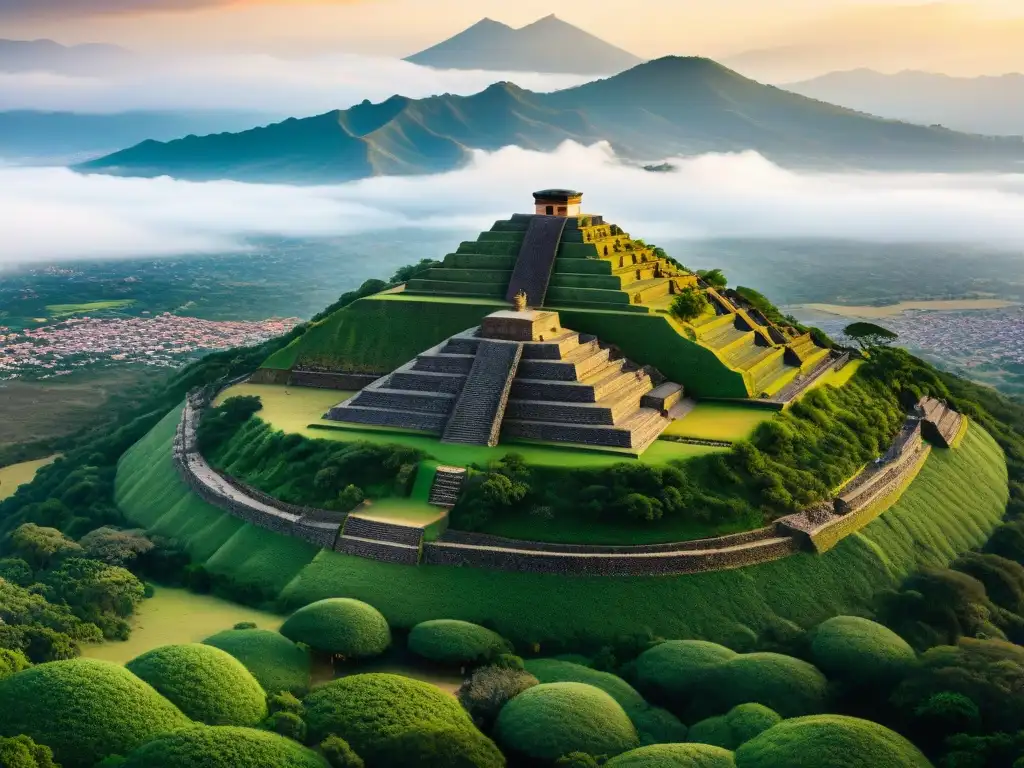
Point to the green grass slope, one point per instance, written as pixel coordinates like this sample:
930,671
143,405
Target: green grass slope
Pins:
956,500
379,333
154,497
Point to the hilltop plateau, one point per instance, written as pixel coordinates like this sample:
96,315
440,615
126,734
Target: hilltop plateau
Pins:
668,107
638,513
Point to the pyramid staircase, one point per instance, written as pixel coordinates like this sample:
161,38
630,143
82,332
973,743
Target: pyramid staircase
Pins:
480,408
569,389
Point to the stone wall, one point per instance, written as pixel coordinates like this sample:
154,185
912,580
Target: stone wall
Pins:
817,529
350,382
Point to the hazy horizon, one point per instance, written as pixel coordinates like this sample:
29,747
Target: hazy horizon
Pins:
789,39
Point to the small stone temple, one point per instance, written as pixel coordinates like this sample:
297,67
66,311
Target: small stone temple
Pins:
558,202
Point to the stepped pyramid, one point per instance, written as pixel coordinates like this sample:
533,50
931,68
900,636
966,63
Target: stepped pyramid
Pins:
520,374
564,259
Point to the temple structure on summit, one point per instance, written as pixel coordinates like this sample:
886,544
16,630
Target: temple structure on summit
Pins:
558,202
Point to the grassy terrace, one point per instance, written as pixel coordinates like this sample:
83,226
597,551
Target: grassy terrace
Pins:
720,421
299,409
952,506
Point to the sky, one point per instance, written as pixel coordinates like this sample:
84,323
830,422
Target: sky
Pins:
711,196
649,28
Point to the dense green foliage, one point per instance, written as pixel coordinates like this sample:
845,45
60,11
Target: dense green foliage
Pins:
339,753
674,756
860,652
698,680
689,304
553,719
489,689
317,473
22,752
653,724
456,642
84,710
341,626
276,662
829,740
737,726
368,710
439,748
12,662
988,672
223,747
209,685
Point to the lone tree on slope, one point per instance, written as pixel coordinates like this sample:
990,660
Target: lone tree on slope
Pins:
868,335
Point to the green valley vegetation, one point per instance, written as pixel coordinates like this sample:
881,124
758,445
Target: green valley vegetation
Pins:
340,626
209,685
276,662
223,747
456,642
722,111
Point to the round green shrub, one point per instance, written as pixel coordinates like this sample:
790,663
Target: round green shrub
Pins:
554,719
276,662
653,724
367,710
12,662
835,741
674,756
791,687
668,669
440,748
456,642
861,652
206,683
738,726
223,747
341,626
84,710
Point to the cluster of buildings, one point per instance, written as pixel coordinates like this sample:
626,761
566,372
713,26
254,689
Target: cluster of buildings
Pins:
165,340
965,338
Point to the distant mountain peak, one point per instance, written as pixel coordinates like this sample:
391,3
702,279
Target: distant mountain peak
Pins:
549,44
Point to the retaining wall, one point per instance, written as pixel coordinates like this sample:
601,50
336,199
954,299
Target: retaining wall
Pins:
817,529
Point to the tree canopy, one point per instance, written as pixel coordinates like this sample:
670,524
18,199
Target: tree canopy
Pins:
868,335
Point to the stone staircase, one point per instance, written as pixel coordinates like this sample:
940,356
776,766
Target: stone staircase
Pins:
480,408
532,271
377,540
447,485
570,390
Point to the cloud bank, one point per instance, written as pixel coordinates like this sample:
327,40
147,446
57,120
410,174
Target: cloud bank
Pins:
59,8
52,214
258,83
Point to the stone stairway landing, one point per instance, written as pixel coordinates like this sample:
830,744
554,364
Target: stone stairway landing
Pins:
447,485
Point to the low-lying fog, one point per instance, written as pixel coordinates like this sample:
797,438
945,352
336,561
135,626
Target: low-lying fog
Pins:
49,214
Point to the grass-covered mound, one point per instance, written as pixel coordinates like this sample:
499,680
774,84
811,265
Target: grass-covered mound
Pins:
276,662
554,719
209,685
834,741
438,748
674,756
955,502
84,710
456,642
703,680
223,747
653,724
737,726
367,710
860,652
341,626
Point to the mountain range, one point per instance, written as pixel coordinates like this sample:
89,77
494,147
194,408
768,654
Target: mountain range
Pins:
668,107
48,137
547,45
48,56
993,105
